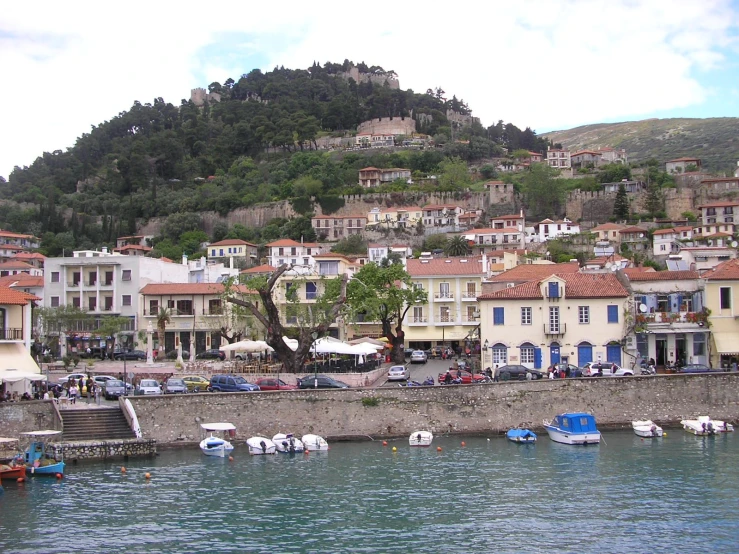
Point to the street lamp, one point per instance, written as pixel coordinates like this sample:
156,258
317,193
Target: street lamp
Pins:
485,352
315,368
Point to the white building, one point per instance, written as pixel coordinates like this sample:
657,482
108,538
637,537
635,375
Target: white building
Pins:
670,241
550,229
288,251
559,158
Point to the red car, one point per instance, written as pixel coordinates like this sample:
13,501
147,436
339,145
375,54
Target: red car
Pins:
270,383
467,377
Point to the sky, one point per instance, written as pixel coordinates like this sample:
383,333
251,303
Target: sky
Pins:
544,64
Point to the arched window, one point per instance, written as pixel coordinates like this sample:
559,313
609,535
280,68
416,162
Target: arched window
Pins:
500,354
527,353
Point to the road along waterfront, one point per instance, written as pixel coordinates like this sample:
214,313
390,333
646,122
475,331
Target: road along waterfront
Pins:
676,494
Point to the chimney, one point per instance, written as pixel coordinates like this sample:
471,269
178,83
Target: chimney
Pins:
230,262
184,259
104,249
484,265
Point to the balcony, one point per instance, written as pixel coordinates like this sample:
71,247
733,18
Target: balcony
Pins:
444,296
471,318
668,318
11,334
446,319
555,330
469,295
418,320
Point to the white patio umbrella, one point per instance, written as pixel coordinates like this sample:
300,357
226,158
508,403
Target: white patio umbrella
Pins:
292,344
332,346
247,346
364,348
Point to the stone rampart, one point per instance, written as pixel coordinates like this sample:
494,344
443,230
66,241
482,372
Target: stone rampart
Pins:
388,126
598,205
470,409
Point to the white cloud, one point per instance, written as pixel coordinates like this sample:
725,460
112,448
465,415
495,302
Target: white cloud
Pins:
545,64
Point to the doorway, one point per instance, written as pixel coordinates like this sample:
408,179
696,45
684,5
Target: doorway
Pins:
661,345
680,349
554,353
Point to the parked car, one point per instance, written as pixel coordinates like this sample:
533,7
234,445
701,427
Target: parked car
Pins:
212,354
514,372
437,352
196,383
75,376
598,369
419,357
113,388
172,355
408,352
231,383
130,355
175,385
320,382
398,373
270,383
569,369
467,377
148,387
695,368
96,352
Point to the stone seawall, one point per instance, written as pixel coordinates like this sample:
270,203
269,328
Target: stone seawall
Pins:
398,411
103,450
19,417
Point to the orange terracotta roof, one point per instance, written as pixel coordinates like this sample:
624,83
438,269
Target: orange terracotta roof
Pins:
132,247
290,242
445,266
510,216
719,205
166,260
725,271
22,280
534,272
586,152
16,297
29,256
608,227
720,180
188,288
507,230
577,285
231,242
369,168
679,275
15,264
719,235
440,206
12,235
629,271
665,231
264,268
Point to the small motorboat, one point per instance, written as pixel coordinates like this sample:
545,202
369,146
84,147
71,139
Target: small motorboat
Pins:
314,443
37,461
646,428
421,438
573,428
260,445
521,436
705,426
217,446
287,443
12,471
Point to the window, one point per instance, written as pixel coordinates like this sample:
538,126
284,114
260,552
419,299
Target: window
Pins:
93,278
500,354
583,314
725,295
92,303
612,314
54,301
214,306
526,316
663,303
108,278
418,315
418,286
444,290
76,279
76,301
108,303
54,276
498,316
153,307
126,275
553,290
471,313
554,319
311,291
126,301
699,344
527,354
328,268
184,307
662,247
444,314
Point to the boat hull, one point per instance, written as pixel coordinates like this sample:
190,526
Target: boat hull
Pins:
567,437
704,426
13,472
259,446
287,444
521,436
216,447
421,438
314,443
646,429
51,469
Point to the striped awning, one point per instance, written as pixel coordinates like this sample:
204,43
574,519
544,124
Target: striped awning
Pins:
726,343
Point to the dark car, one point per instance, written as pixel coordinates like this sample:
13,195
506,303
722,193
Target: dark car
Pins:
270,383
113,388
96,352
231,383
130,355
513,372
695,368
172,355
320,382
212,354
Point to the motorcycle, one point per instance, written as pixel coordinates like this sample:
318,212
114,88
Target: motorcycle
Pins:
429,381
648,370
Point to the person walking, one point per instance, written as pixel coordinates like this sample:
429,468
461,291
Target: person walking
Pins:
89,384
73,392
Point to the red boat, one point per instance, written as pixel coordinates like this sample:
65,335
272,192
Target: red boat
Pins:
12,472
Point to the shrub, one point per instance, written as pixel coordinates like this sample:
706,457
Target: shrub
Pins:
370,401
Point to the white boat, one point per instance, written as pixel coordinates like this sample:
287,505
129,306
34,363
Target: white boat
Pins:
704,426
646,428
260,445
287,443
573,428
421,438
314,443
216,446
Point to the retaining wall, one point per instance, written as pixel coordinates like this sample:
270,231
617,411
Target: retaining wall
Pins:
103,450
470,409
34,415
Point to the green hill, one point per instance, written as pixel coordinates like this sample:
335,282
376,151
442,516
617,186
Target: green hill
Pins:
715,141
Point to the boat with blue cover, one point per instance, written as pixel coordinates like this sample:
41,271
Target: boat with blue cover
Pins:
37,460
216,446
521,436
573,428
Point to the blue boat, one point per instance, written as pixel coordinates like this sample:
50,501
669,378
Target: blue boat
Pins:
573,428
36,460
521,436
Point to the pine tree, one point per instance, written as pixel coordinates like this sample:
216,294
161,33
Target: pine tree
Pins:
621,205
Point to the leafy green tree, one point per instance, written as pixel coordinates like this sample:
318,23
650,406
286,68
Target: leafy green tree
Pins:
111,326
621,204
654,202
544,195
191,241
164,318
488,171
62,319
385,293
454,175
435,242
613,173
457,246
353,244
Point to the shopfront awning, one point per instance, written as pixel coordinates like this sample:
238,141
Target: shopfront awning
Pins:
17,364
726,343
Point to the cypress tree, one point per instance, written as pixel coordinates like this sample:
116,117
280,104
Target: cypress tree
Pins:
621,205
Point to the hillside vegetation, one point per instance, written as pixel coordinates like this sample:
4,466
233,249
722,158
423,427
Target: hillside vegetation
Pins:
715,141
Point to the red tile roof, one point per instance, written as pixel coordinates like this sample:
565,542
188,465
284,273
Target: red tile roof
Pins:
188,288
264,268
629,230
577,285
29,256
12,235
368,168
534,272
290,242
15,297
725,271
132,247
608,227
232,242
445,266
720,180
659,232
679,275
510,216
15,264
719,205
22,280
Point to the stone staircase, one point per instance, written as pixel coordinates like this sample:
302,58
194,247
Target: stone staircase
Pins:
95,425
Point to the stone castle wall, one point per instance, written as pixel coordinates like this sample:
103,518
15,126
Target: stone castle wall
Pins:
598,205
388,126
198,96
381,80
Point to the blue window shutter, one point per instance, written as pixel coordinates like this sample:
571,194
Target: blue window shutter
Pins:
553,290
537,358
498,317
612,314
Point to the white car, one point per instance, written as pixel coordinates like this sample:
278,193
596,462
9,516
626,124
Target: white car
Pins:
593,369
398,373
419,357
75,376
148,387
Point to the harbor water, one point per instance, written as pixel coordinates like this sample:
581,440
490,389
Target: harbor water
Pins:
675,494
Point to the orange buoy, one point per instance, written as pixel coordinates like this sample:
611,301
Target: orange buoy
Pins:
147,475
20,479
59,475
230,458
384,443
438,448
123,470
306,451
463,444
